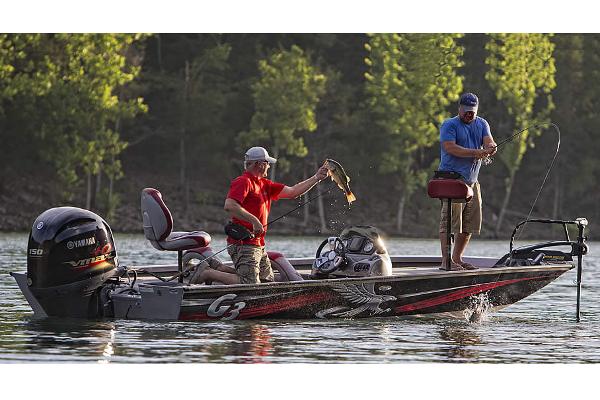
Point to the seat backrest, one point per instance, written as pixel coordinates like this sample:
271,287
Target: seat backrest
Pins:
156,217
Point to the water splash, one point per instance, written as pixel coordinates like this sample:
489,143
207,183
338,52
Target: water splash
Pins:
479,305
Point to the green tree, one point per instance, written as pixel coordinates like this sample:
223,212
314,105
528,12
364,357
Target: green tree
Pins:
285,98
411,79
17,73
202,100
577,101
521,72
66,84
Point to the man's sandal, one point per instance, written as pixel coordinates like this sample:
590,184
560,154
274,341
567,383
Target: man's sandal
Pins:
454,267
466,265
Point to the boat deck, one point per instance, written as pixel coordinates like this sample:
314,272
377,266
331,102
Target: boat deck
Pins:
403,266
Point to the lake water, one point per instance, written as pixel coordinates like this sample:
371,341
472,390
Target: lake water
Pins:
539,329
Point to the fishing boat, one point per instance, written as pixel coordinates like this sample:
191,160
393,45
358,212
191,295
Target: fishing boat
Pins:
73,271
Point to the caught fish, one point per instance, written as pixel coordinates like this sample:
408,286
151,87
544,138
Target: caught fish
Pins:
338,175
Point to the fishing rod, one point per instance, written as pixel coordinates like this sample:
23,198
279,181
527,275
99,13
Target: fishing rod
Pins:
510,138
300,206
237,232
488,160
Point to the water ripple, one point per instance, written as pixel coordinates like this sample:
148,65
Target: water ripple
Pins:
539,329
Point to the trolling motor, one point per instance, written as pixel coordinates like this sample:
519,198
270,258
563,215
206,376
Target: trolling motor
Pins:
535,254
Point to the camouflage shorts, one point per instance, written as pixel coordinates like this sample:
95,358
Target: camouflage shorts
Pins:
466,217
251,263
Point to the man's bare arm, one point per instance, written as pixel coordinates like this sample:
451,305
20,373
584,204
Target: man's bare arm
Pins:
302,187
459,151
235,209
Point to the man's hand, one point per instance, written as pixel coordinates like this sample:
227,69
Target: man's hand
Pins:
483,153
492,146
257,228
322,173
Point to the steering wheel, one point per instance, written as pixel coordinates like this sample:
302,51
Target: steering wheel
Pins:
339,255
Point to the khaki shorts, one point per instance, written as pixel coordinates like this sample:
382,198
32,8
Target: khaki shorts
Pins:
466,217
251,263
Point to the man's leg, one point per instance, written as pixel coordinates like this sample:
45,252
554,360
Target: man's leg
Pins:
266,271
456,227
246,259
460,244
471,224
214,275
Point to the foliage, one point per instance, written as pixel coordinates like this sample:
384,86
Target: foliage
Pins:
70,106
411,79
73,81
521,71
285,97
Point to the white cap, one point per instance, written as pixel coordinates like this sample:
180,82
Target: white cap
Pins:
258,154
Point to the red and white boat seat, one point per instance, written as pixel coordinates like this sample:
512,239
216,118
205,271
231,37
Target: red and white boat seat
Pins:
454,189
287,272
158,225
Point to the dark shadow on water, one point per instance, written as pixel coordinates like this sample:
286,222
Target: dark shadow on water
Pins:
65,336
462,340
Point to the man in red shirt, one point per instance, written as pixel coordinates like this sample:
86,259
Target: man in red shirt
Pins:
248,203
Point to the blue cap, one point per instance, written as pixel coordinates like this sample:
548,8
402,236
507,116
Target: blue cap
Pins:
469,102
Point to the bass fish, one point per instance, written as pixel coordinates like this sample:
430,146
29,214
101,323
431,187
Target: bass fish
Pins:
338,175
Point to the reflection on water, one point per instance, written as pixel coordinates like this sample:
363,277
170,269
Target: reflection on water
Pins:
251,343
539,329
462,341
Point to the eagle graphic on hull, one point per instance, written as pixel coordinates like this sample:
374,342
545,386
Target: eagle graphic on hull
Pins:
362,296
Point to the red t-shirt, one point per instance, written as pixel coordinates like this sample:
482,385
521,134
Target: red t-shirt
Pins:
255,195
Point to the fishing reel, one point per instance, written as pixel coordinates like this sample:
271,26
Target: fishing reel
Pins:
487,160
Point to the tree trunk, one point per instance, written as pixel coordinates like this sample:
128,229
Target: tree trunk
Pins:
182,159
186,206
97,187
110,202
321,209
110,209
88,196
557,197
509,186
274,166
159,51
400,216
307,206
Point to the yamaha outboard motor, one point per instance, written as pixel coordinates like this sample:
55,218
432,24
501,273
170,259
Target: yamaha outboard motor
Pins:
71,253
357,252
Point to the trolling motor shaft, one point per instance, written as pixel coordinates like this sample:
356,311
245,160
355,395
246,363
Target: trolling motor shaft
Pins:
578,247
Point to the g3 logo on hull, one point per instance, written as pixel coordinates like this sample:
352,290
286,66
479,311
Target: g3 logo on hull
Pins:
216,310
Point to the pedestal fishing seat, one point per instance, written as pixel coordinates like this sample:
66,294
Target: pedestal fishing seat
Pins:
449,190
158,228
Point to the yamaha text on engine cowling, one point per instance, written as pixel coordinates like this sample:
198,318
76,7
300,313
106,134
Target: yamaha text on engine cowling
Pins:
71,253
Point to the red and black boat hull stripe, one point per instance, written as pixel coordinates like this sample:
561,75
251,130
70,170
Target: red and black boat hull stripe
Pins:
409,296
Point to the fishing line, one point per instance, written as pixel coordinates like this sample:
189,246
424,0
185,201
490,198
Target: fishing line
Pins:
510,138
325,194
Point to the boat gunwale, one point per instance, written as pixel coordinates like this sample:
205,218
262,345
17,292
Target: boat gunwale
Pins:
373,279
